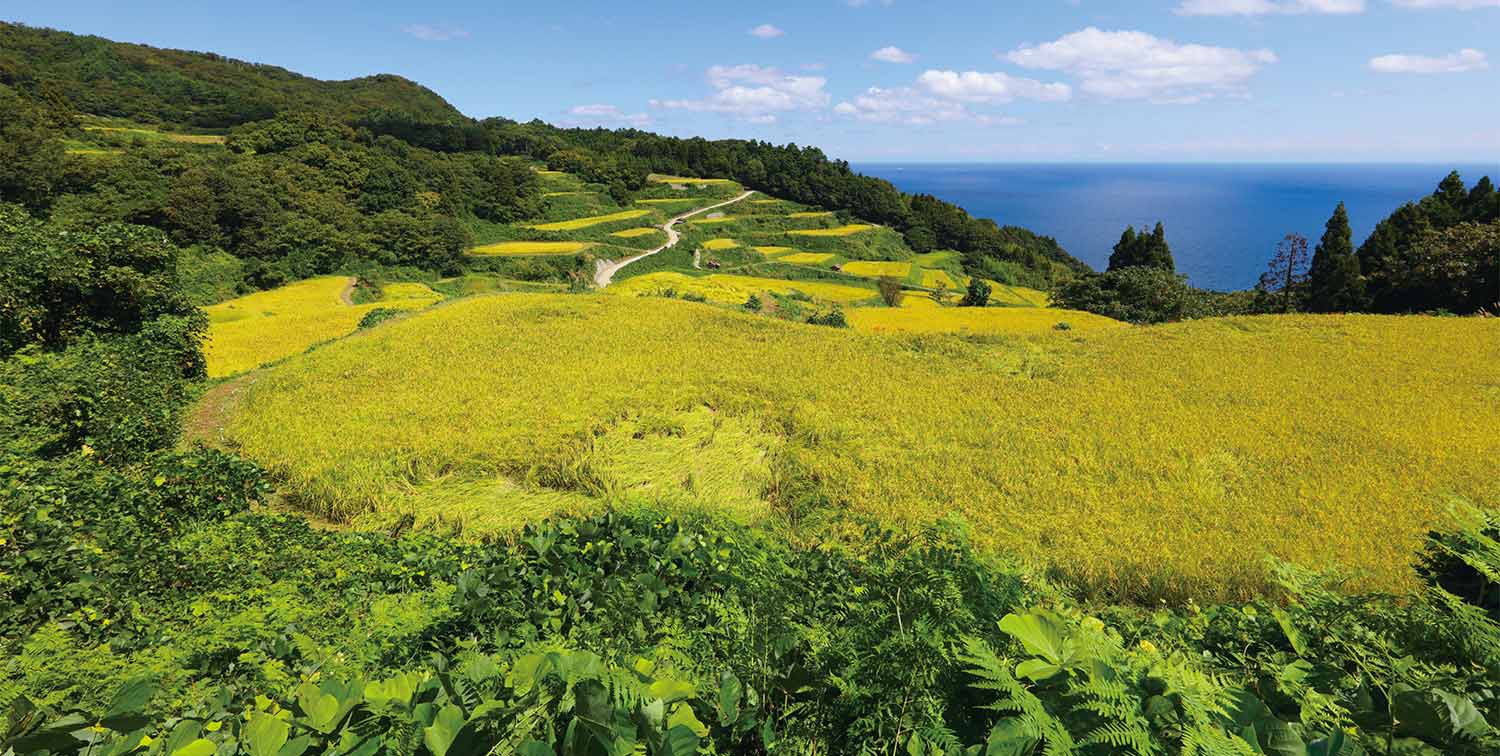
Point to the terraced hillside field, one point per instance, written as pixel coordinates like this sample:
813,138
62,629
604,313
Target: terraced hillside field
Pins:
1147,463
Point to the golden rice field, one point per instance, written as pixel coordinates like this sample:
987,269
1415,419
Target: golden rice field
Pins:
711,221
668,201
529,248
544,172
806,258
1016,296
691,181
631,233
877,269
730,289
267,326
1010,321
812,214
566,194
774,251
577,223
848,230
935,278
718,244
1147,463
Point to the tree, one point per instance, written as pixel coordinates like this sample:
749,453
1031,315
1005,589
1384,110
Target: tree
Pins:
1285,279
978,294
1334,283
1139,250
890,291
1482,205
1138,294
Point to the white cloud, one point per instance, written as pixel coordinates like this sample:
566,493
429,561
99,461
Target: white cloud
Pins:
1132,65
1459,62
766,31
1268,7
436,33
892,54
755,93
607,115
912,107
1447,4
976,86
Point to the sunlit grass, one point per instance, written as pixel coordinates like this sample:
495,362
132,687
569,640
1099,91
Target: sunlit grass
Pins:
774,251
847,230
261,328
577,223
1162,462
731,289
631,233
691,181
933,318
529,248
812,214
718,244
877,269
806,258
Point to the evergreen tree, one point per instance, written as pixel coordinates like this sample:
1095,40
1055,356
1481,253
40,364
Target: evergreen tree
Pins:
1142,250
1125,250
1452,191
1284,283
1334,280
1483,204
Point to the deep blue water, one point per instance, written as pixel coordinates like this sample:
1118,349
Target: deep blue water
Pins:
1223,221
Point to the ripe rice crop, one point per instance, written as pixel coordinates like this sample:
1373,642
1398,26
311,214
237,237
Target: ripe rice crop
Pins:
711,221
261,328
935,278
718,244
971,320
848,230
693,181
668,201
566,194
806,258
877,269
529,248
774,251
811,214
631,233
577,223
731,289
1144,463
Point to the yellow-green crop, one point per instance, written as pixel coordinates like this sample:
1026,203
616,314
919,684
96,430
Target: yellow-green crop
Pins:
877,269
1143,462
719,244
631,233
731,289
848,230
577,223
261,328
925,316
528,248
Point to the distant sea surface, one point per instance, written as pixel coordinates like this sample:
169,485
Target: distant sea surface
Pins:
1223,221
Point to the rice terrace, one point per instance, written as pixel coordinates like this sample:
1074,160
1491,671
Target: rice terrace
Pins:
337,420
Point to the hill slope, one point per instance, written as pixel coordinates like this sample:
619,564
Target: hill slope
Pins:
147,84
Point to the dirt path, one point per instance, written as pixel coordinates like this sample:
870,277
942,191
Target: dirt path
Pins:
605,270
347,295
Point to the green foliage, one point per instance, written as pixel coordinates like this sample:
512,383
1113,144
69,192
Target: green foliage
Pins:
377,316
32,160
1135,294
1142,251
1431,255
1335,283
978,294
833,317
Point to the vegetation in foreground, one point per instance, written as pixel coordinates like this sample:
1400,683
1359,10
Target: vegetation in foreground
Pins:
1134,461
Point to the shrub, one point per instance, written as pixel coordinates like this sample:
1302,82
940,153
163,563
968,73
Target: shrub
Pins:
753,304
978,294
890,291
834,317
377,316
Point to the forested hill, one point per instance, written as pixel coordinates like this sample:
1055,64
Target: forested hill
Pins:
193,89
439,173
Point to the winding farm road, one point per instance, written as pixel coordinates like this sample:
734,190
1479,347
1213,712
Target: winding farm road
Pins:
605,270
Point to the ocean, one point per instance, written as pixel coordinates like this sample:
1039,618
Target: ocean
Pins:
1223,221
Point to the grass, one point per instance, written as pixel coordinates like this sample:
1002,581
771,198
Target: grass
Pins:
934,278
1146,463
806,258
718,244
631,233
731,289
691,181
932,318
774,251
578,223
812,214
267,326
152,134
846,230
506,249
877,269
669,201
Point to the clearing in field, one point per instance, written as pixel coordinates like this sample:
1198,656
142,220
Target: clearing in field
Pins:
934,318
521,248
877,269
720,244
578,223
849,230
631,233
566,194
267,326
806,258
161,135
1129,459
730,289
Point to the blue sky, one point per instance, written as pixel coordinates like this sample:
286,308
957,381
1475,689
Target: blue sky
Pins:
903,80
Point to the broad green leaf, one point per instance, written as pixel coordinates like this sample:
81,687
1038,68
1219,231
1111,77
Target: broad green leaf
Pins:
731,690
1036,669
680,741
185,732
321,709
126,708
1281,740
199,747
264,735
1041,635
1009,738
672,691
1436,716
683,715
535,748
296,746
444,729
